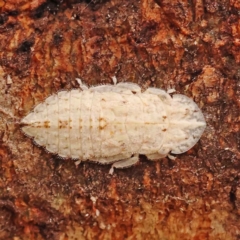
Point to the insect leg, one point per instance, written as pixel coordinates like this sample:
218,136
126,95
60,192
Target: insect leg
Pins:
155,156
126,85
129,86
128,162
81,84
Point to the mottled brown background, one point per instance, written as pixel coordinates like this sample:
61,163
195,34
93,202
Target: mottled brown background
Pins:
190,45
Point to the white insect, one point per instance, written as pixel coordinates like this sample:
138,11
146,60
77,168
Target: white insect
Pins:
115,123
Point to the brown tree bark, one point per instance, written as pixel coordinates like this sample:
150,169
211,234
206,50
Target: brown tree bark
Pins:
192,46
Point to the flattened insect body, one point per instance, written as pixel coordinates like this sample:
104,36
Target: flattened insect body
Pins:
114,124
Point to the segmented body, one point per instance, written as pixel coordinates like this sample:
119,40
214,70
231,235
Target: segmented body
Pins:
112,123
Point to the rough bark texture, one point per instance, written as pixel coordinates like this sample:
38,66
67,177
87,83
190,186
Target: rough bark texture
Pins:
192,46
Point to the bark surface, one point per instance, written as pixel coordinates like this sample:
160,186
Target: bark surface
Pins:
192,46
